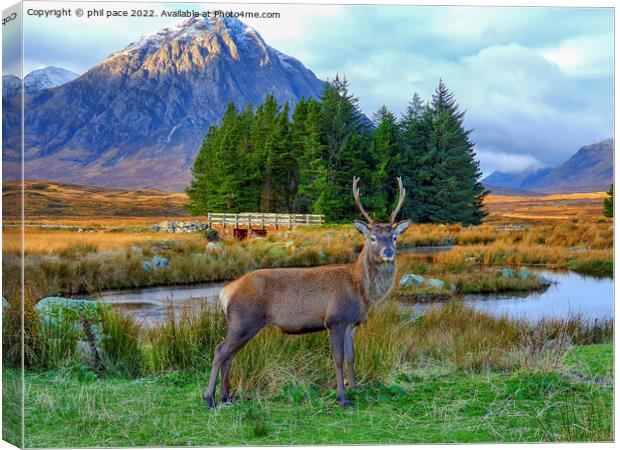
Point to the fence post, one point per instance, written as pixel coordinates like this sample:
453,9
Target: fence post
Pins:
276,221
307,219
209,222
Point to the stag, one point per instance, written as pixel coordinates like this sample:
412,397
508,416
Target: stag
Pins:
335,298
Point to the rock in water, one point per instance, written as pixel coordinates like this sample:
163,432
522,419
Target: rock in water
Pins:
544,280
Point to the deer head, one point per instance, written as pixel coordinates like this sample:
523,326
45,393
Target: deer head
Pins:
381,238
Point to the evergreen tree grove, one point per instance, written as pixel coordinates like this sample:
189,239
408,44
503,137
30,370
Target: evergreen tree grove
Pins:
272,159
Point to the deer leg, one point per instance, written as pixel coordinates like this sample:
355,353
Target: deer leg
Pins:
349,355
222,360
218,359
225,374
336,335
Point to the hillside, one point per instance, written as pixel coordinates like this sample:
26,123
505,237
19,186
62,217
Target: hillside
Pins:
137,119
588,170
64,201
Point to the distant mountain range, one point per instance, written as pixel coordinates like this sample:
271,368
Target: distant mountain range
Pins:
137,119
590,169
37,80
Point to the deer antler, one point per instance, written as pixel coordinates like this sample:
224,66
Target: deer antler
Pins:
401,200
356,196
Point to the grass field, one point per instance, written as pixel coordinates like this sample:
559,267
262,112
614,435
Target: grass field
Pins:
452,375
75,408
88,206
556,207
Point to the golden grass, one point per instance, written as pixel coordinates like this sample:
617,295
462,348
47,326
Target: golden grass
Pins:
492,198
37,241
553,207
46,200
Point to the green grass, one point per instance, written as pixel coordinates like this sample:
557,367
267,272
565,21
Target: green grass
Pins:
74,407
12,407
592,360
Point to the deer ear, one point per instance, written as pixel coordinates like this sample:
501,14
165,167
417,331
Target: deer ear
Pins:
401,227
362,227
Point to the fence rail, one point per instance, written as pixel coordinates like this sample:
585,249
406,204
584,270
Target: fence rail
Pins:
264,219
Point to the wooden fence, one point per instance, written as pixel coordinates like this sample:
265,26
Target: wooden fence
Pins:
263,220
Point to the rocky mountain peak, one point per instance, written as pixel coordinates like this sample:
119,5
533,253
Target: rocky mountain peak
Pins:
191,44
138,117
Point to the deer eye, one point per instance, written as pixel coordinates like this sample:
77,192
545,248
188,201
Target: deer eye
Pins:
373,239
394,238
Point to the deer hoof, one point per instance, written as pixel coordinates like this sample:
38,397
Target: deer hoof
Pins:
346,403
209,401
226,398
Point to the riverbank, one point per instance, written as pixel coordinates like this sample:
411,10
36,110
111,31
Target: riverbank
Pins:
68,263
425,404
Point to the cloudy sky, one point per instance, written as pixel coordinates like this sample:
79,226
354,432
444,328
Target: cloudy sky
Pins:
537,83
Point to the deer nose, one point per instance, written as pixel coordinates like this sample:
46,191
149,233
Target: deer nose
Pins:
388,253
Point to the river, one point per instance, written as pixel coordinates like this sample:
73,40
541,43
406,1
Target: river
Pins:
569,294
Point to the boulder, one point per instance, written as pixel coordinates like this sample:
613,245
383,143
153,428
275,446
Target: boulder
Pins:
158,261
214,248
525,273
418,279
54,308
146,266
154,228
406,280
508,273
544,280
434,282
410,279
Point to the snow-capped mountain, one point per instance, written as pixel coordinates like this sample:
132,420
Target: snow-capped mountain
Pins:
37,80
137,119
46,78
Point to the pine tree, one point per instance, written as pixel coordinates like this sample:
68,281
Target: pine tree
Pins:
418,160
414,110
343,152
386,153
608,203
306,137
281,174
446,180
216,185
